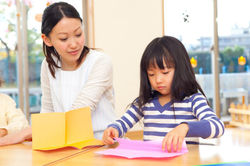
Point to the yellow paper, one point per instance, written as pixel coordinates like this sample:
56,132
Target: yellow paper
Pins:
57,130
48,130
79,126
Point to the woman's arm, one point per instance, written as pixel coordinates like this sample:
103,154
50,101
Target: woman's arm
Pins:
46,102
99,81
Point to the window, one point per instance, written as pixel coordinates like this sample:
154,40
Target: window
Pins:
192,23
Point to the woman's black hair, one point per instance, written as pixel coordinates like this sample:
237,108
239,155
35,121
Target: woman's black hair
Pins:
171,51
51,16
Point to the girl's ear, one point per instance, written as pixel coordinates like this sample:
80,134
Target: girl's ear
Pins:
46,40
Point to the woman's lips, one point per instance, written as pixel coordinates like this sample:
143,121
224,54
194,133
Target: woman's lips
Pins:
74,52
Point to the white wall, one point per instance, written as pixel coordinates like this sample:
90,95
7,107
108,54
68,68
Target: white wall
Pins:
123,28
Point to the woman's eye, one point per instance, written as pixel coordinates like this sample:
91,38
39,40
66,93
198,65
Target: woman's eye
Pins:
165,72
63,39
78,35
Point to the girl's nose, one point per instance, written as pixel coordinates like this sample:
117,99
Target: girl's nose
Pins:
158,78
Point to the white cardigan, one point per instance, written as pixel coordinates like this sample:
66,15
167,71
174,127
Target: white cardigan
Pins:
11,118
91,84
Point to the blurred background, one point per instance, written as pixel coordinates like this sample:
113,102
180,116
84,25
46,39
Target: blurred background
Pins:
216,34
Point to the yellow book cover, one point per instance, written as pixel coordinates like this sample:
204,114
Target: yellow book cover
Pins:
62,129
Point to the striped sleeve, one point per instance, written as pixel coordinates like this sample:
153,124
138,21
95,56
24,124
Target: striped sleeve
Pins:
208,124
128,120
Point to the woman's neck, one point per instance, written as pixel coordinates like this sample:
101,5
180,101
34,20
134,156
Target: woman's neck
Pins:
71,66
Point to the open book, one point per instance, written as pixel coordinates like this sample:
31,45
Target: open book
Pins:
61,129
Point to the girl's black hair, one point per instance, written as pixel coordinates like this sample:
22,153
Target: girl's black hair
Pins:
171,51
51,16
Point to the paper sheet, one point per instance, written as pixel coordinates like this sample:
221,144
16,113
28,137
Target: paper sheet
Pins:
59,129
141,149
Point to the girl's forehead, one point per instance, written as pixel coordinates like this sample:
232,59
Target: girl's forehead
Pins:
162,64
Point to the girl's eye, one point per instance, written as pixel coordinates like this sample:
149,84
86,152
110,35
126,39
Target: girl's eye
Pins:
150,75
165,72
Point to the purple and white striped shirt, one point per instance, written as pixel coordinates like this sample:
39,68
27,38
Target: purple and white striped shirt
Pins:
159,120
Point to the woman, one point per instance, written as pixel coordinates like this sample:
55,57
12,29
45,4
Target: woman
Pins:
72,75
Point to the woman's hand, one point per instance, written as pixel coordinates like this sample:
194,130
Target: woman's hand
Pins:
18,137
3,132
174,139
109,134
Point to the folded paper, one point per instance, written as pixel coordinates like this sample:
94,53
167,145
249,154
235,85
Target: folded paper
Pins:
61,129
141,149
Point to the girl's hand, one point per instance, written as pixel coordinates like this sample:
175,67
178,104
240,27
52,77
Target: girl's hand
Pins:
174,139
3,132
109,134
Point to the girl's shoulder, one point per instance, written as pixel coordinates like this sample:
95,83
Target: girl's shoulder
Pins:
195,96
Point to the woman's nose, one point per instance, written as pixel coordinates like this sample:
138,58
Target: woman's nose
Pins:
73,43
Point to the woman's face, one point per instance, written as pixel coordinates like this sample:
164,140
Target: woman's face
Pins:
67,37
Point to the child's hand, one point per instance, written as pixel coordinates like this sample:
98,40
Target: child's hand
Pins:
17,137
175,138
3,132
109,134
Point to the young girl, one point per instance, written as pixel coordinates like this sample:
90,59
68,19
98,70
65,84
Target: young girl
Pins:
12,119
171,101
72,75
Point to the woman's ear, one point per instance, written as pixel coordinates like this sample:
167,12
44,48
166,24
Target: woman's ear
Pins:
46,40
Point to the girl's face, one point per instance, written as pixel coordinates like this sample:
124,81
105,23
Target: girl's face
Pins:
67,37
161,79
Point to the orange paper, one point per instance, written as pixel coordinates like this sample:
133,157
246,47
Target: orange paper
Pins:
61,129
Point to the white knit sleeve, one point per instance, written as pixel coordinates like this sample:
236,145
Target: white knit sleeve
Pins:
99,80
15,118
46,101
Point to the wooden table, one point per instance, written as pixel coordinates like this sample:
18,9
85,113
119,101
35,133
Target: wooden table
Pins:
233,146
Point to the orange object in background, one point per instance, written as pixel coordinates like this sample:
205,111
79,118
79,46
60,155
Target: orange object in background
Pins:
241,60
193,62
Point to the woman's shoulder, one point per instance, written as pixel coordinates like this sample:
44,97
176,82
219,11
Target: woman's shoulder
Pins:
99,60
44,64
96,54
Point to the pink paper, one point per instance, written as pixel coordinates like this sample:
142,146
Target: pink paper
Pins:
141,149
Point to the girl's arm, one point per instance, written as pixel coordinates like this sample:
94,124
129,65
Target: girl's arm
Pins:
46,102
128,120
208,124
99,81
